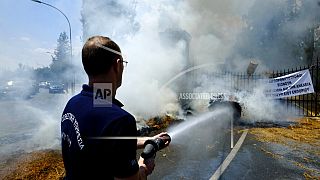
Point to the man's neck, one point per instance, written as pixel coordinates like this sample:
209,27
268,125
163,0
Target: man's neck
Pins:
103,79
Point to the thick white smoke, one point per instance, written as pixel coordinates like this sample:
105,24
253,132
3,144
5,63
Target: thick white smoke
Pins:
28,125
278,33
155,36
140,29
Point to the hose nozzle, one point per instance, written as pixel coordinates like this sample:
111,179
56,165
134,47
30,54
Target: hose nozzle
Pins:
154,145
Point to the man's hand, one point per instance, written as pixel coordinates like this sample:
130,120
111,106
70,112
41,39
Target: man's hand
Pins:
145,168
162,135
141,140
147,164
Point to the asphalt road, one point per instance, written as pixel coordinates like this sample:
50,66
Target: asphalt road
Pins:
254,162
198,158
196,154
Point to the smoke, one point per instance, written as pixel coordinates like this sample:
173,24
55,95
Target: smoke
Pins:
150,63
160,39
260,108
47,135
278,33
154,36
32,124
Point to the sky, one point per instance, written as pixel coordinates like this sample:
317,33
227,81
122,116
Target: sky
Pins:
29,30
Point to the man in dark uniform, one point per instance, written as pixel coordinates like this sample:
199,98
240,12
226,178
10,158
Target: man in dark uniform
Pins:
87,151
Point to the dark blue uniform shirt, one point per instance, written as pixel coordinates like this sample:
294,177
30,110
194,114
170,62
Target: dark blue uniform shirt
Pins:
87,153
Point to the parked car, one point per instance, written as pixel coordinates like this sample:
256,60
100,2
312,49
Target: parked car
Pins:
19,89
56,88
44,84
3,92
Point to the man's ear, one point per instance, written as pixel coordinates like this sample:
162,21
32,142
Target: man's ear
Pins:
116,65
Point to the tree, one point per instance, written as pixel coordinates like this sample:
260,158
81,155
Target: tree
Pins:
61,61
60,69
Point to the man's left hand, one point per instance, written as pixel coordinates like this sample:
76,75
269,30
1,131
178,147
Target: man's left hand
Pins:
162,135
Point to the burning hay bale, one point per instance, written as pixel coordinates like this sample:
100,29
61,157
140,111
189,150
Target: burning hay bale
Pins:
158,123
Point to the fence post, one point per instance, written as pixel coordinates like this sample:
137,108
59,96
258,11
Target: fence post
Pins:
316,89
299,100
311,95
295,100
291,99
303,103
287,99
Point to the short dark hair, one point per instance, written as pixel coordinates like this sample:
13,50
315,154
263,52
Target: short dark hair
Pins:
97,60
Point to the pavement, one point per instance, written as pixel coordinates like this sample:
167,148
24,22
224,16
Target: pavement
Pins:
255,161
199,158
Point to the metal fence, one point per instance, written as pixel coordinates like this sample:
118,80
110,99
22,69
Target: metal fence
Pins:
302,105
308,104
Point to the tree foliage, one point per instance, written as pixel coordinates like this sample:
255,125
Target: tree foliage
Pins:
61,67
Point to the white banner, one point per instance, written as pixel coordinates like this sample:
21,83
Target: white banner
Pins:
294,84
